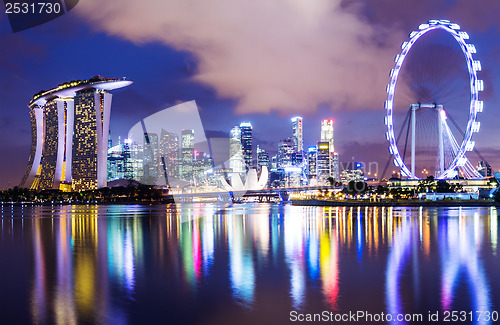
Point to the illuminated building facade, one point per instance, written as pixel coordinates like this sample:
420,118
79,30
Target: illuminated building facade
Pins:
136,160
90,135
169,152
117,161
327,133
187,152
236,160
484,168
285,153
52,146
327,136
202,166
348,175
323,165
246,143
262,158
297,133
151,165
312,154
70,127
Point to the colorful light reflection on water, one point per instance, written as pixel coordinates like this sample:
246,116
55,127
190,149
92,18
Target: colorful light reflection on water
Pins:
246,264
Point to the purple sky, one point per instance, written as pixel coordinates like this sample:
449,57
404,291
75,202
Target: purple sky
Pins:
262,61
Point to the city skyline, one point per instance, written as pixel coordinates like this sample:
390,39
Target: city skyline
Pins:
167,71
174,160
250,162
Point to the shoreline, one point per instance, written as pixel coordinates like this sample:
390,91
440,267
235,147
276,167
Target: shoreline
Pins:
310,202
405,203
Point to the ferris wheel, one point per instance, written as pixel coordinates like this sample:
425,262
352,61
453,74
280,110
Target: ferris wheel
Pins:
458,160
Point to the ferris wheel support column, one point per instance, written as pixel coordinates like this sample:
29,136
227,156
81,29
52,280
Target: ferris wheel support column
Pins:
441,142
413,128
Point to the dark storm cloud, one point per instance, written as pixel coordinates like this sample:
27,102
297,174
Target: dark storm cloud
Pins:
407,14
284,55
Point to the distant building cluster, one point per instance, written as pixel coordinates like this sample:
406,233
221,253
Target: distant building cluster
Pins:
484,168
292,166
169,158
161,159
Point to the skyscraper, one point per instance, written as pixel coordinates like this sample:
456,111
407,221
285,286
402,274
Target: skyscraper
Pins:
53,146
312,154
246,143
151,158
236,159
169,152
128,169
116,162
323,162
297,134
136,159
327,136
262,158
119,162
285,153
69,128
187,152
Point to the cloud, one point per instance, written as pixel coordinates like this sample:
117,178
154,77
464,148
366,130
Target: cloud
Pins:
407,14
283,55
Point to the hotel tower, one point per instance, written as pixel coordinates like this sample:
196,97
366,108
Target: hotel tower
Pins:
69,129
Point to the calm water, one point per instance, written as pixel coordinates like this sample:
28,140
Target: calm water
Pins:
246,264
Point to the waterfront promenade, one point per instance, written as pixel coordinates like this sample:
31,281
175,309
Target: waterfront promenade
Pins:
399,203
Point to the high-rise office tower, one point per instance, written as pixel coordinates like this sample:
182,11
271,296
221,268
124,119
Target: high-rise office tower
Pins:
202,165
169,152
336,166
262,158
69,128
136,160
312,154
274,162
327,133
285,153
323,162
246,143
151,158
236,159
327,136
110,142
187,152
128,171
116,162
297,134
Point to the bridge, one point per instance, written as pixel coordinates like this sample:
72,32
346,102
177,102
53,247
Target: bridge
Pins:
261,196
